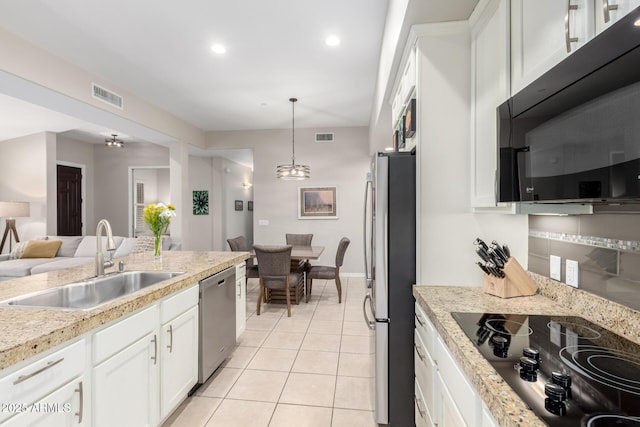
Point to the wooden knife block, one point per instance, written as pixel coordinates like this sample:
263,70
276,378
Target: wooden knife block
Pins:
516,283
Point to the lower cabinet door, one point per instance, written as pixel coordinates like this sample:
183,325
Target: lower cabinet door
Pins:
125,386
448,411
179,359
64,407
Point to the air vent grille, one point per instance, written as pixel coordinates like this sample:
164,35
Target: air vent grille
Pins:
324,137
107,96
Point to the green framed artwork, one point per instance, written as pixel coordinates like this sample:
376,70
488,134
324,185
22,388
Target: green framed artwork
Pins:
200,202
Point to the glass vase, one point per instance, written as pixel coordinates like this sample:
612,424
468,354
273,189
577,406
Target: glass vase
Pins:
157,248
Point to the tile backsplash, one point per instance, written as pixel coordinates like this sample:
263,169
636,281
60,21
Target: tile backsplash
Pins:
606,246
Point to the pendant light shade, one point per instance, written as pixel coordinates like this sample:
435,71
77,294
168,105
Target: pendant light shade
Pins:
292,170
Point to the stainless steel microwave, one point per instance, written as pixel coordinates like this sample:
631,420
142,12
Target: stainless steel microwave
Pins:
573,135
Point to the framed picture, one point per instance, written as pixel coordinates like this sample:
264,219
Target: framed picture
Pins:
317,203
200,202
239,205
410,119
250,205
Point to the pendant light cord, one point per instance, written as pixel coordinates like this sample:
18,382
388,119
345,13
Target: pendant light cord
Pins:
293,130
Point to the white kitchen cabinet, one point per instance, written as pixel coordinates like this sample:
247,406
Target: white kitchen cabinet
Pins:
126,386
487,418
609,11
490,87
179,363
241,298
46,383
444,396
544,32
64,407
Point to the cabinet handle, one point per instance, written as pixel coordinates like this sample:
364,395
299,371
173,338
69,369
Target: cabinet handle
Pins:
419,351
419,319
567,26
155,349
50,364
420,404
80,412
606,8
170,331
239,289
371,324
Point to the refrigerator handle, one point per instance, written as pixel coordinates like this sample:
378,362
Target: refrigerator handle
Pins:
370,323
368,279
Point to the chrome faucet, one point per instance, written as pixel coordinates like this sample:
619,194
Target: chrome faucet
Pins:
111,246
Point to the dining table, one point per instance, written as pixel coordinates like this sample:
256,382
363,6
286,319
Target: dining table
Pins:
300,256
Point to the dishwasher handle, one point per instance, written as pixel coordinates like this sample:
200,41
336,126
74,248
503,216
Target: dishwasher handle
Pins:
219,279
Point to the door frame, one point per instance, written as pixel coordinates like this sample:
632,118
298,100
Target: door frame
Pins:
83,184
130,185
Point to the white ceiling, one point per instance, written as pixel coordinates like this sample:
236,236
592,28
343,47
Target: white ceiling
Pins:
160,51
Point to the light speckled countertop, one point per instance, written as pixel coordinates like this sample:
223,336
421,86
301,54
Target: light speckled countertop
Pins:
553,298
27,331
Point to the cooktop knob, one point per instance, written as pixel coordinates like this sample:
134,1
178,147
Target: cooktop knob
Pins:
500,346
555,392
531,353
556,396
528,369
563,380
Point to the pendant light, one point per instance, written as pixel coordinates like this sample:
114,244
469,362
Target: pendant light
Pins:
291,170
113,142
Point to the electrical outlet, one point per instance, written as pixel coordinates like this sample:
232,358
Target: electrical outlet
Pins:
263,222
555,267
571,273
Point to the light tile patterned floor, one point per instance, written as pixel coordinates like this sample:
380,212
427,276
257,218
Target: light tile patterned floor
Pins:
313,369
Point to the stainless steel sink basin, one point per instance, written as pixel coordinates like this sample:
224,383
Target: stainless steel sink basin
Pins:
93,292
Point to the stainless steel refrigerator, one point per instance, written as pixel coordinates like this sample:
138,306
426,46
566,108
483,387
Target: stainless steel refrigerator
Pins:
390,269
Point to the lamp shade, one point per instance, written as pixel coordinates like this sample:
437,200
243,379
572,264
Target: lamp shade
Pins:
14,209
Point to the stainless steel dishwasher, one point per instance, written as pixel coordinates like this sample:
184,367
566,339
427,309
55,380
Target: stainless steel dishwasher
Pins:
217,321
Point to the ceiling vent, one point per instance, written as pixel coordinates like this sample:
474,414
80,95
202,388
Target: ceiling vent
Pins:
324,137
107,96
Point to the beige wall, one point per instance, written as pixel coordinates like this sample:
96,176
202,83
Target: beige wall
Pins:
342,163
40,70
24,173
446,225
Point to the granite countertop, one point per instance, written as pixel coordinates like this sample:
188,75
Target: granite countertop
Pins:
553,298
28,331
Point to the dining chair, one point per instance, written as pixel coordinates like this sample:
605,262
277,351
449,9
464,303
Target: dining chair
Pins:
300,240
239,244
274,267
328,272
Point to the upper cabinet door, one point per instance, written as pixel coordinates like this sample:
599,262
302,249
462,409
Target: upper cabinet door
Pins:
544,32
490,87
609,11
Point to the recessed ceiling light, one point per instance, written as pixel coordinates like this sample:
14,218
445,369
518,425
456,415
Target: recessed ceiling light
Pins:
218,48
332,41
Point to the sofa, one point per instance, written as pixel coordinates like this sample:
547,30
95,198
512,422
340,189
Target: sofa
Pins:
73,251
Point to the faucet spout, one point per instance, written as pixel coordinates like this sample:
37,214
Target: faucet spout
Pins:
103,224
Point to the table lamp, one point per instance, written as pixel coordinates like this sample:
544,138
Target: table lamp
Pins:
12,210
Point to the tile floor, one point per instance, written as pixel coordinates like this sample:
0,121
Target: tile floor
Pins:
313,369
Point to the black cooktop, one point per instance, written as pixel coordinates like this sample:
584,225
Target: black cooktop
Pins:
569,371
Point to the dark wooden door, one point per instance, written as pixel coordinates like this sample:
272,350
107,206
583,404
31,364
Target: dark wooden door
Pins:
69,201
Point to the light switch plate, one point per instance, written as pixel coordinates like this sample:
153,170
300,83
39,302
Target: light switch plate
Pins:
571,273
555,267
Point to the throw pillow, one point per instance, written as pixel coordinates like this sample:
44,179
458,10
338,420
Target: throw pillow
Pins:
41,248
69,245
144,244
18,249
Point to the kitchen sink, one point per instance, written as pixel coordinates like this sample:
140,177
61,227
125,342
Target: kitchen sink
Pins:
91,293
